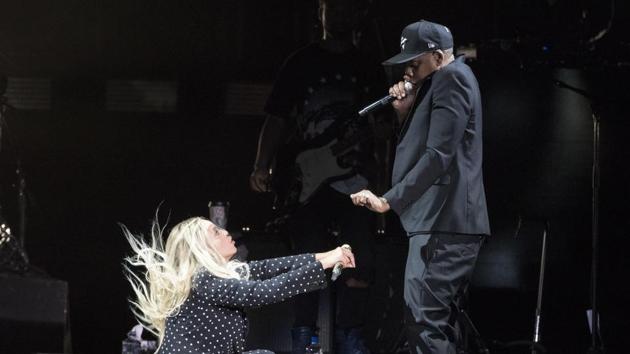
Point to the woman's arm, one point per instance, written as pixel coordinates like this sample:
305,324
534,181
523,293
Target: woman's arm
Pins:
254,293
268,268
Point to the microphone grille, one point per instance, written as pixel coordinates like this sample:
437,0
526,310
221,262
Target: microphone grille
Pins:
408,86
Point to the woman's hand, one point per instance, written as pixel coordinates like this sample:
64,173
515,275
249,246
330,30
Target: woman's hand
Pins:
338,255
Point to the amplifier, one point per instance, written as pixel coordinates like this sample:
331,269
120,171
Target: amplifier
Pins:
33,314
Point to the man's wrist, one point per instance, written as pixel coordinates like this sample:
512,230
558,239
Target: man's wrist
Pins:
386,206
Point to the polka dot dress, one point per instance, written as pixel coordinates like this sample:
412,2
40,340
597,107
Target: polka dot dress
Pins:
212,319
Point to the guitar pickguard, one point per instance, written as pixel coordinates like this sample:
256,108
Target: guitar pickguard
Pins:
318,166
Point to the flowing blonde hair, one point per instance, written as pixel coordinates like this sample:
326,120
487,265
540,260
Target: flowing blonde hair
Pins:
170,270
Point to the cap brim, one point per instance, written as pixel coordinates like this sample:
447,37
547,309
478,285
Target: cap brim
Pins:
401,58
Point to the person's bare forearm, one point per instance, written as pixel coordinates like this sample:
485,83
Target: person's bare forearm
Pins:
319,256
327,263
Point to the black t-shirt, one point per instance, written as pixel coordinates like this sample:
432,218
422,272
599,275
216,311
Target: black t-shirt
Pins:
316,87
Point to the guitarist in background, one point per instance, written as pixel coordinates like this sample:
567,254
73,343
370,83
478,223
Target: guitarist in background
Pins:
315,98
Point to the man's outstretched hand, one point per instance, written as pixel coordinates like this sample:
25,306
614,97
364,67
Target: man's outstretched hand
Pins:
369,200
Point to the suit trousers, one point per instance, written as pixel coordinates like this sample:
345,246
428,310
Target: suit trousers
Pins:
439,269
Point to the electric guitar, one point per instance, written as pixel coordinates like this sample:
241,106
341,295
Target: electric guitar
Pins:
302,168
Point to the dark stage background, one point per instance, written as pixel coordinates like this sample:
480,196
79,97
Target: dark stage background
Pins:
204,67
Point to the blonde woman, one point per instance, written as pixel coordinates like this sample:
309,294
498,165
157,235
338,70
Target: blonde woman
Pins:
193,296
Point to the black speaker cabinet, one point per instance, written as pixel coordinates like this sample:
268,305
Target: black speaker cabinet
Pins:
33,314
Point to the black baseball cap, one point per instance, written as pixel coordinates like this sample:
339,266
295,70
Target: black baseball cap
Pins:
421,37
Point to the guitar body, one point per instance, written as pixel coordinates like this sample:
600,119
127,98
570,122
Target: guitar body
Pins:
318,167
301,168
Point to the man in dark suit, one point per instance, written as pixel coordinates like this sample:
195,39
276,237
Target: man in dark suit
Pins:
437,183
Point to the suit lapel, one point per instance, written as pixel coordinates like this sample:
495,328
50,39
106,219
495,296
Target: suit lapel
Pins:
422,91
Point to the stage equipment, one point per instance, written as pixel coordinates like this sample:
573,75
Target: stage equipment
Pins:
12,247
134,344
33,315
535,344
597,345
218,213
12,255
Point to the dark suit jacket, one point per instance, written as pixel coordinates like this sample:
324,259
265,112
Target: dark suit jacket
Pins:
437,181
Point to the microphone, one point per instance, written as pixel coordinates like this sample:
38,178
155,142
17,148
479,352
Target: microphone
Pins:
339,266
383,101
